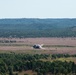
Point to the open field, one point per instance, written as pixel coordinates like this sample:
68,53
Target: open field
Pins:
29,72
51,45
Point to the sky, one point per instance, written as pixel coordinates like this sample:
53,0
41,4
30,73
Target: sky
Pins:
37,8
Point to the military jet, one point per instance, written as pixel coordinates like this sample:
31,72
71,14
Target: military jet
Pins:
38,46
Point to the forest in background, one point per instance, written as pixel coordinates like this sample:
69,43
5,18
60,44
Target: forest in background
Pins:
25,27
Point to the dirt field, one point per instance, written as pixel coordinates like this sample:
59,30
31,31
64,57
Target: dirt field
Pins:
51,45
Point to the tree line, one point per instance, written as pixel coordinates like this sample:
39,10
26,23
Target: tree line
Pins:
22,28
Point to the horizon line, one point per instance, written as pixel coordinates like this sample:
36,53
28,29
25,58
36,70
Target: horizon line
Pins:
38,18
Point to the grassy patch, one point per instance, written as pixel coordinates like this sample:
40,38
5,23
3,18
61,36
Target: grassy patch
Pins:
73,59
67,59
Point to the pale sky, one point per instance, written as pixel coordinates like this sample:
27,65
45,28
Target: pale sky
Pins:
37,8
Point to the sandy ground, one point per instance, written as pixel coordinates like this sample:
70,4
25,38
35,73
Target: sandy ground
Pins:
48,41
26,44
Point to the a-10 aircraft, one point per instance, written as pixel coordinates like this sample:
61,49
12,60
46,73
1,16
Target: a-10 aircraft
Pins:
38,46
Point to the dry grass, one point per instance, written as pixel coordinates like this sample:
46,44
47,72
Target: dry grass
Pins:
29,72
51,45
